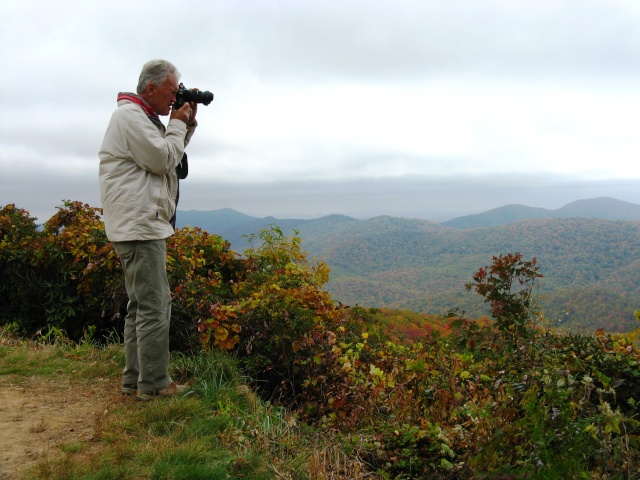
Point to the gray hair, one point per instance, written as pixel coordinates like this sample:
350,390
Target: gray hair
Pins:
156,71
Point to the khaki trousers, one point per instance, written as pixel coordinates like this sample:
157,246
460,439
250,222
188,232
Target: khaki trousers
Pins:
146,327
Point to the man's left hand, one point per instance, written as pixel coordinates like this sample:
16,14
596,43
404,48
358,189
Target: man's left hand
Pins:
192,118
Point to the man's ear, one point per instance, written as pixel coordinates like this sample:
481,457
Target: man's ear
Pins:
151,88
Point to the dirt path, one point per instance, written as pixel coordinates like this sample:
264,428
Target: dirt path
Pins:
40,418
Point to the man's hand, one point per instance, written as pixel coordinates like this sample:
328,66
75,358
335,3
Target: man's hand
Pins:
192,117
194,110
184,113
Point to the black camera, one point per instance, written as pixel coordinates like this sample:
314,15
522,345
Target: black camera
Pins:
185,95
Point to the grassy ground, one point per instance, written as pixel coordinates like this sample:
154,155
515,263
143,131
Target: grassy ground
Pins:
218,430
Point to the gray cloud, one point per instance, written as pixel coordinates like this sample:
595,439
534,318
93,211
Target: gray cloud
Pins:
363,107
406,39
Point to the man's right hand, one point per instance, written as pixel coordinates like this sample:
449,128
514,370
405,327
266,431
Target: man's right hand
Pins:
183,113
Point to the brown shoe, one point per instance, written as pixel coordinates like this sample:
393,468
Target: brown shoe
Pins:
129,388
169,391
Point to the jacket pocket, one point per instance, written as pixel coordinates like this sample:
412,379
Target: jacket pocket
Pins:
165,202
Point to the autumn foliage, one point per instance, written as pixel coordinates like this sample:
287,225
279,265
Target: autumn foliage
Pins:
449,398
507,285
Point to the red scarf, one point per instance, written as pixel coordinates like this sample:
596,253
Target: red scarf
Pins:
132,97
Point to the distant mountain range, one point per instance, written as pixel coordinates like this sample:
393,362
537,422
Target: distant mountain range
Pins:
605,208
233,225
588,252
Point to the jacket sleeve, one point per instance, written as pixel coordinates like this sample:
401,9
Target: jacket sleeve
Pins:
149,148
190,131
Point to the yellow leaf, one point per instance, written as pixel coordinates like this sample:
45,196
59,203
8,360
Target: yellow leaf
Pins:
221,334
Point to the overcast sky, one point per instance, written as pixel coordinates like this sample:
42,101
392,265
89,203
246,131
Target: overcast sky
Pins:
431,108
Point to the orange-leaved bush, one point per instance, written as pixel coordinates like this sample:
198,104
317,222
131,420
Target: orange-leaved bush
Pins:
278,315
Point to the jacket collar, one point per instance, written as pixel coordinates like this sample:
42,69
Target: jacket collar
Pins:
132,97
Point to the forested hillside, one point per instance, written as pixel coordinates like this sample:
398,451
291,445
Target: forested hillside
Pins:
590,266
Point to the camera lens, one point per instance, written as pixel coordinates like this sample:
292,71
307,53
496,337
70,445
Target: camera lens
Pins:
202,97
191,95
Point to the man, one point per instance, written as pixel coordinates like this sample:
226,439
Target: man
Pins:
139,189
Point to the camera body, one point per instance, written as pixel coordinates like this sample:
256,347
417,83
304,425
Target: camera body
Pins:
186,95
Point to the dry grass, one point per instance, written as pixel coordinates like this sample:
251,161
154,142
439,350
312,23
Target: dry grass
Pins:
63,418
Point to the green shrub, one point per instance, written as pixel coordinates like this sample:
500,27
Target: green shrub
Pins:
18,281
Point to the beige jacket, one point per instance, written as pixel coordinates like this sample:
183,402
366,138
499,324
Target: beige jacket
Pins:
138,182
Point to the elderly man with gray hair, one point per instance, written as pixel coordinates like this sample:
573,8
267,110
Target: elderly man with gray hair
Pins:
140,163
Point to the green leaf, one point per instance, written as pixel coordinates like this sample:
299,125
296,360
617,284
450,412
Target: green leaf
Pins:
446,464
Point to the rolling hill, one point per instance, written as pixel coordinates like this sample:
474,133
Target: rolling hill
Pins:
589,265
604,207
